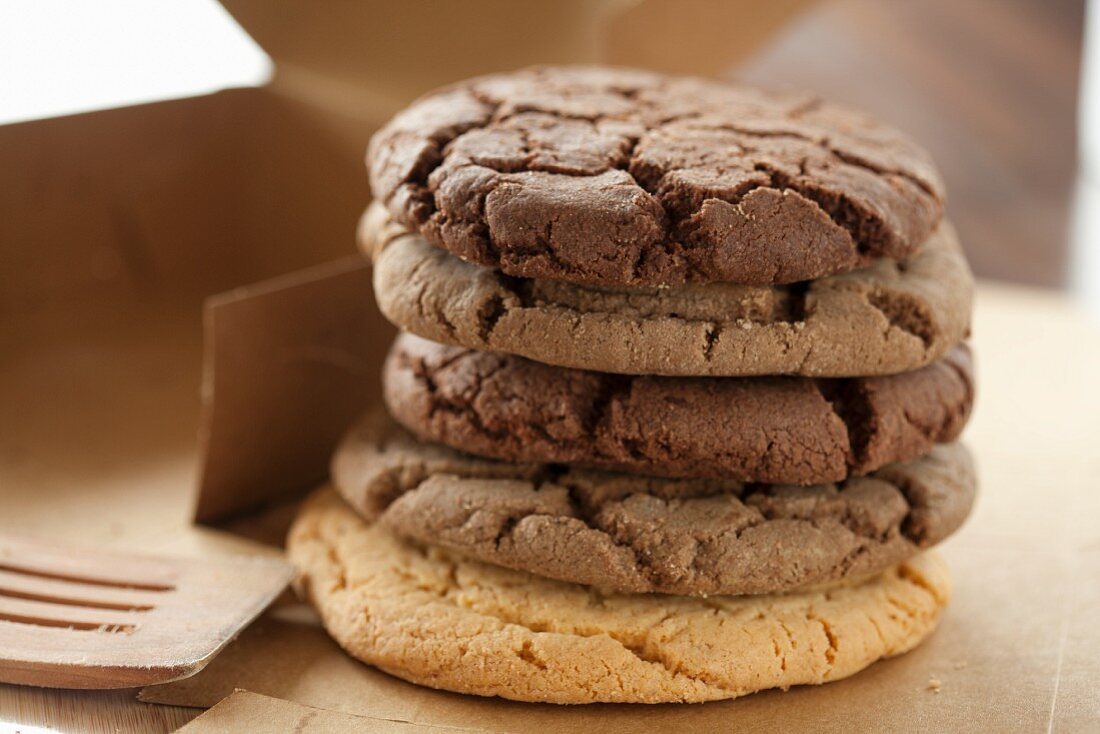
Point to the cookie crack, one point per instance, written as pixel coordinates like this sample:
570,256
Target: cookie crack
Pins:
905,313
527,654
829,146
610,389
915,579
852,557
867,231
878,630
811,105
830,636
437,403
855,160
796,304
489,314
932,432
639,650
710,338
907,527
780,654
465,406
851,403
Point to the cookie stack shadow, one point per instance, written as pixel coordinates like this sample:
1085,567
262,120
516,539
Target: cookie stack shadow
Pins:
674,410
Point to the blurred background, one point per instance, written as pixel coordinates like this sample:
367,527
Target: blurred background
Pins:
989,86
998,90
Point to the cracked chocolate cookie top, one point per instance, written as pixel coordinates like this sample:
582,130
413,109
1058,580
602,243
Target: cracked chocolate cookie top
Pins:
762,429
619,177
635,533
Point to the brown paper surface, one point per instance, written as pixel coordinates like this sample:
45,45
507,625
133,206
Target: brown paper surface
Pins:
378,54
243,711
289,364
1018,629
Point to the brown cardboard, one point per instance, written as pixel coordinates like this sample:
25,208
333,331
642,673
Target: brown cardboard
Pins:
422,44
171,200
243,711
314,334
686,37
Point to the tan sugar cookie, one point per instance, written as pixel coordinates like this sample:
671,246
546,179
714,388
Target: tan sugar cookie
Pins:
886,318
643,534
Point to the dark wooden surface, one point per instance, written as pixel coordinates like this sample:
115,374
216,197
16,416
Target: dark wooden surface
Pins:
989,86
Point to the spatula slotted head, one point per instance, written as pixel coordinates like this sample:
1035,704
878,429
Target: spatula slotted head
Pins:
79,618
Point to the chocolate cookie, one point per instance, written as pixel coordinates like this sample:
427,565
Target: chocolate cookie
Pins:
441,620
890,317
618,177
643,534
792,430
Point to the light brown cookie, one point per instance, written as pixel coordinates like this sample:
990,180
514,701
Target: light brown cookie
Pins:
790,430
439,620
621,177
887,318
643,534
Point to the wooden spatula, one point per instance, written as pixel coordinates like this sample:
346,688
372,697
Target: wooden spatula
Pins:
81,618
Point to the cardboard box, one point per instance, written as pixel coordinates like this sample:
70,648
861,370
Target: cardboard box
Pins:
115,225
119,223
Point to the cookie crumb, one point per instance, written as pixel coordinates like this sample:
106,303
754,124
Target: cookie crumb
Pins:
934,685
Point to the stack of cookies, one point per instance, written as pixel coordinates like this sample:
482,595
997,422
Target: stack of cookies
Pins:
672,414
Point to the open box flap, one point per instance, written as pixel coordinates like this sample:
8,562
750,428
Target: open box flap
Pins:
375,55
288,365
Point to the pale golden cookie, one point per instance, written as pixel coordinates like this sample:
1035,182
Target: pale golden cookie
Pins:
436,619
